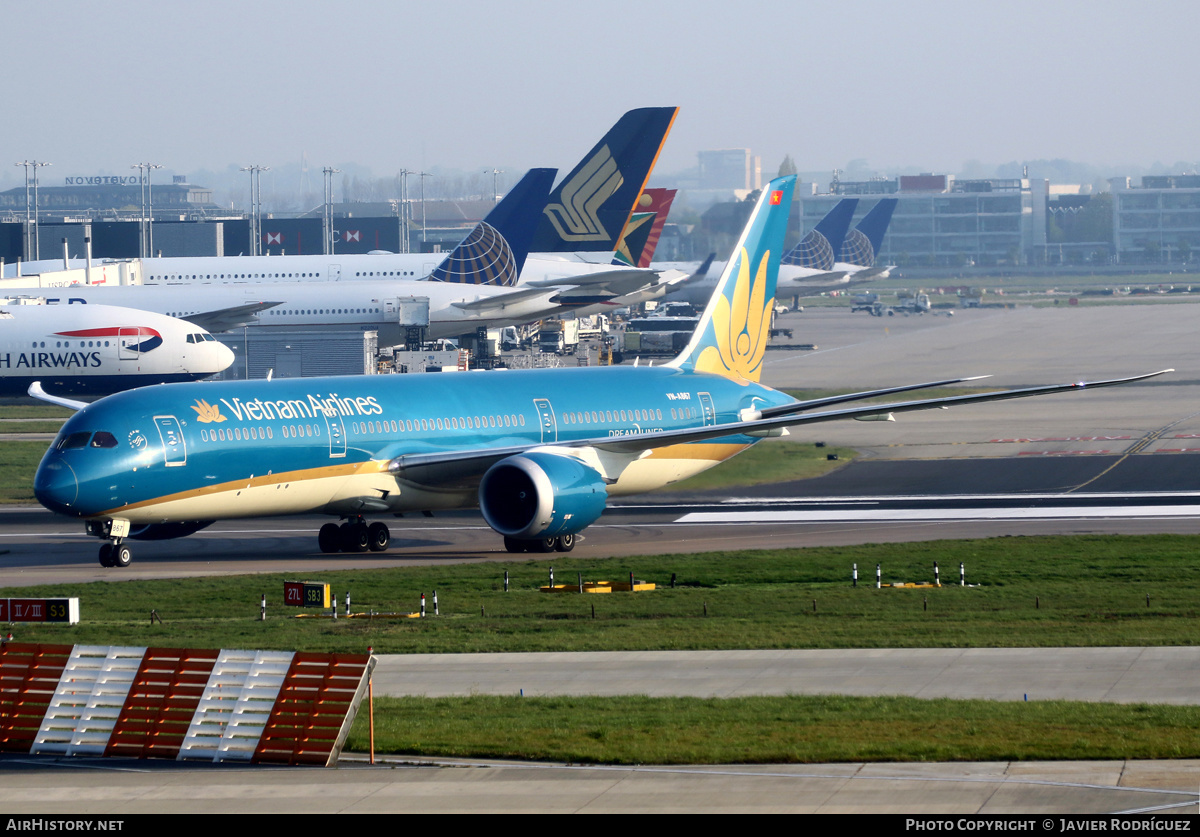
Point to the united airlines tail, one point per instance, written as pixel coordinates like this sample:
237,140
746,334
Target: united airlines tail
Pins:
495,250
862,243
732,335
819,249
589,209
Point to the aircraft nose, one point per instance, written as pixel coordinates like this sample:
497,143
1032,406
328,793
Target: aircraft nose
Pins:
56,486
224,356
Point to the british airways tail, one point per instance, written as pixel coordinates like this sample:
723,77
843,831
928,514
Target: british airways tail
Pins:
819,249
589,209
495,250
731,337
863,243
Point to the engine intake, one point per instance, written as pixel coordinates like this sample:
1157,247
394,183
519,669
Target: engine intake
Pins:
541,495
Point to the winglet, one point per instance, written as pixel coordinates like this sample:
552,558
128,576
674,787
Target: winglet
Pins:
35,390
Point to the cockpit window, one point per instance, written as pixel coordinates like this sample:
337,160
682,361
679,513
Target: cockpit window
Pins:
75,440
104,439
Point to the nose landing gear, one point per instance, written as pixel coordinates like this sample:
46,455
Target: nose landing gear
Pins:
114,553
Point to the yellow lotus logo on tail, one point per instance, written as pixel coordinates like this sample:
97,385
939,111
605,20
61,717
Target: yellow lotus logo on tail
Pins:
741,326
207,413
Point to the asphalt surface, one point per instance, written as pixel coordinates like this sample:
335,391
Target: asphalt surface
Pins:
1126,447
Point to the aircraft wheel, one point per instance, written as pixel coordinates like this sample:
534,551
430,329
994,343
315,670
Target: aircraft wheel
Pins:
122,556
514,544
378,536
106,555
354,537
542,544
564,543
329,538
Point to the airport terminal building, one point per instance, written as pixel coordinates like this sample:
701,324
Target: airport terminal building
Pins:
107,210
941,221
1157,222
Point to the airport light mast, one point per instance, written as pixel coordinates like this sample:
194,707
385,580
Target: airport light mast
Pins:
146,227
423,174
327,221
405,212
495,189
255,207
37,248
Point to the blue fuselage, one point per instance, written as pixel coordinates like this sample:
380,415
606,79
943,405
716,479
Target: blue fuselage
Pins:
207,451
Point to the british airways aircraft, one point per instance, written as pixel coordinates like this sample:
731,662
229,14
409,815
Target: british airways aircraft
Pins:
101,349
539,451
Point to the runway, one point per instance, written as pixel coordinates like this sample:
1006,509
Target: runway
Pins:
1116,460
1145,789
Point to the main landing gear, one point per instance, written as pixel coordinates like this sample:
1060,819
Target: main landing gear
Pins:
563,543
355,535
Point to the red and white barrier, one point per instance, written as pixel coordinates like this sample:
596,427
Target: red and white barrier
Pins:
274,707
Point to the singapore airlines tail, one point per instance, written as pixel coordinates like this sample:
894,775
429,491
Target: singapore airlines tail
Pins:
731,337
589,209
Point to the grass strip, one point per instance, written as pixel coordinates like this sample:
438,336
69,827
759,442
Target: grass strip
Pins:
1075,591
776,730
18,462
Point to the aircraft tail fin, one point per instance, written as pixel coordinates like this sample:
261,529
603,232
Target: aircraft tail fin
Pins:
731,337
644,229
819,249
863,243
495,250
590,208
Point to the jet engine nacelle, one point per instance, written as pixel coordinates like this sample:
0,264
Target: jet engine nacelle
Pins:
541,495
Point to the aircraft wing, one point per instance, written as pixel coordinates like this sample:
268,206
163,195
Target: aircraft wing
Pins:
488,304
615,280
623,287
801,406
610,455
225,319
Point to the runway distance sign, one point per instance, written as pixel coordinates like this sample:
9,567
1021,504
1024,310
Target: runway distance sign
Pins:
306,594
40,610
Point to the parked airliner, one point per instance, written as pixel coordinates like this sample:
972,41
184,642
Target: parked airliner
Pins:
538,451
101,349
587,211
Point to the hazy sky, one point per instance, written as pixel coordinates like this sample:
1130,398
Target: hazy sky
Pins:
94,87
